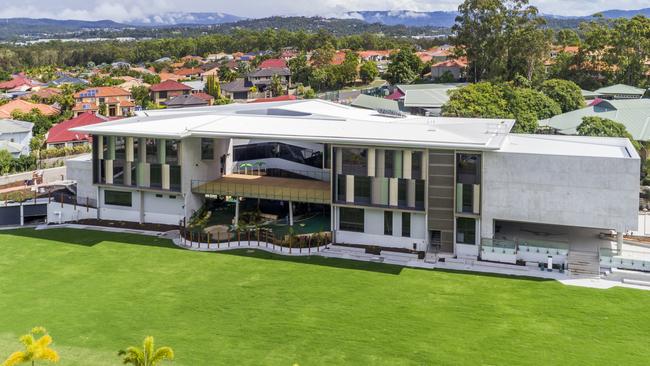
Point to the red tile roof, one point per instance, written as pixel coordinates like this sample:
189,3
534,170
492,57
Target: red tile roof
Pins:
275,99
204,96
273,63
61,131
396,95
169,85
17,81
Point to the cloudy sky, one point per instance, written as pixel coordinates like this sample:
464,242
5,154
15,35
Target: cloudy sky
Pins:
120,10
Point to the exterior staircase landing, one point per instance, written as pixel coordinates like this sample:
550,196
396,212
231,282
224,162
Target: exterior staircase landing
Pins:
583,263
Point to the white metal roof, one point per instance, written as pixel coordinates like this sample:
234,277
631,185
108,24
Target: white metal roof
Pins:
605,147
310,120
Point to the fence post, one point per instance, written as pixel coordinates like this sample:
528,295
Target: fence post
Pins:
218,239
249,237
208,240
238,238
258,237
309,245
49,196
61,201
87,204
34,197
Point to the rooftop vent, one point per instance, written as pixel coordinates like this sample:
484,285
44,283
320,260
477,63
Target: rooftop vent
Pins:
431,124
496,128
390,113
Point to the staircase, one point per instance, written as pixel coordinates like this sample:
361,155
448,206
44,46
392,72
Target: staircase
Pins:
583,263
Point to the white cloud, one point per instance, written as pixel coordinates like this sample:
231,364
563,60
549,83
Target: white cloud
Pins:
121,10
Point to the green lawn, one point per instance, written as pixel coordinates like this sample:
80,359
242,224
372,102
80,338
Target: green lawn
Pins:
99,292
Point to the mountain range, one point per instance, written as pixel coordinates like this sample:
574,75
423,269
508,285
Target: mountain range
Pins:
17,27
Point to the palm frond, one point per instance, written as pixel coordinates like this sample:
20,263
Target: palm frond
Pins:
147,347
15,358
132,355
162,353
48,354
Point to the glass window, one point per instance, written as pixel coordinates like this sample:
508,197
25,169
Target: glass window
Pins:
171,152
468,168
355,161
340,188
175,178
351,219
362,190
117,198
96,161
406,224
419,194
120,148
389,163
118,171
155,177
162,95
466,230
207,149
388,222
152,151
136,151
416,165
402,192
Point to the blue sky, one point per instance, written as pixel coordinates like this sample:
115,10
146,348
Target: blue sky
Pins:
121,10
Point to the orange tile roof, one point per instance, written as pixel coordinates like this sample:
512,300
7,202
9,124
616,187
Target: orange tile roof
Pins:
187,72
102,91
24,106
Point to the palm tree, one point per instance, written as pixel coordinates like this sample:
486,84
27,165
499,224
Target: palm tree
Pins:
35,349
147,356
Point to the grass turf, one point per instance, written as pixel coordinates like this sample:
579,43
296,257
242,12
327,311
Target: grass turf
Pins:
99,292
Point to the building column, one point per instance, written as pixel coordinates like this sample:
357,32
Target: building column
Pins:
236,222
290,213
141,194
619,242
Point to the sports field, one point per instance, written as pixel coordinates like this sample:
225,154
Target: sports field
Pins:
99,292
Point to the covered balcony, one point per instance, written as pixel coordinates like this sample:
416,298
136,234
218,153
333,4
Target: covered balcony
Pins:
266,187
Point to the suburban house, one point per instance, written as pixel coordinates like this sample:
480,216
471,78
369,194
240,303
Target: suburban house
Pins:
66,79
15,136
168,89
273,63
116,101
454,188
189,73
239,89
620,91
19,82
422,99
374,103
262,78
60,135
634,114
23,106
456,67
187,100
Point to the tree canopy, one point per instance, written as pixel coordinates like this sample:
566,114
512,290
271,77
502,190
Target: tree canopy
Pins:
598,126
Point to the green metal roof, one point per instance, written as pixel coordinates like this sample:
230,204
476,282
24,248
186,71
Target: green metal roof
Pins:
633,113
620,89
374,103
408,87
430,98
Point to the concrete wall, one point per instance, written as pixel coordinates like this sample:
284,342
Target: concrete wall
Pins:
81,170
157,208
562,190
193,168
49,175
374,231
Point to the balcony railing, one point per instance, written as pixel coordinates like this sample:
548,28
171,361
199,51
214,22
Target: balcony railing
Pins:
266,189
